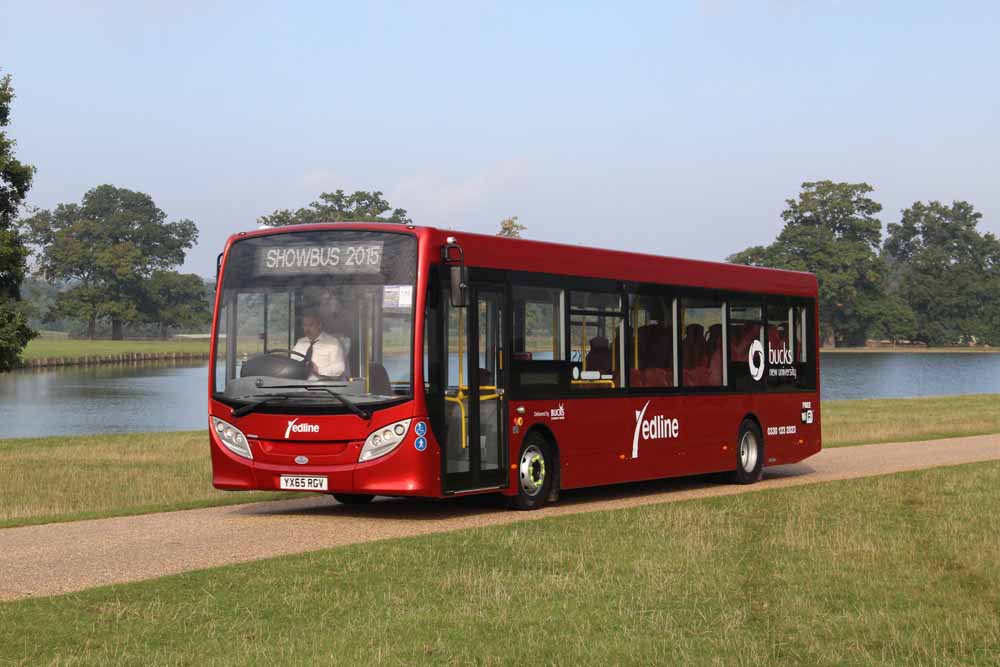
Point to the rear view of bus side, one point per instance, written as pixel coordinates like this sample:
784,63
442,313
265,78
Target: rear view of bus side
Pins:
515,366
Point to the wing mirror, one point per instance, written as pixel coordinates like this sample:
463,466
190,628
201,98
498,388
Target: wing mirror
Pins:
452,254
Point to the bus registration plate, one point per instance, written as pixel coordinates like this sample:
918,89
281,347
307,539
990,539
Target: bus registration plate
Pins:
299,483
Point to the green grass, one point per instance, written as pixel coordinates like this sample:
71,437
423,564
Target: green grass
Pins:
904,419
42,348
900,569
85,477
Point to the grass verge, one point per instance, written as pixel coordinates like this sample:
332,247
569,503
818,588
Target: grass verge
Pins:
903,419
900,569
86,477
42,348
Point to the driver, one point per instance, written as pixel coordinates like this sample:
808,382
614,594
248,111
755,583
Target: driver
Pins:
322,352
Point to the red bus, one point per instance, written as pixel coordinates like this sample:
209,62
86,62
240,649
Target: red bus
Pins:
378,359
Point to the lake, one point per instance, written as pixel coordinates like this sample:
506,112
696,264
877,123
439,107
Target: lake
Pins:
173,397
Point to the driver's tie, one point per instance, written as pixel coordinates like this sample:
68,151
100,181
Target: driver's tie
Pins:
307,362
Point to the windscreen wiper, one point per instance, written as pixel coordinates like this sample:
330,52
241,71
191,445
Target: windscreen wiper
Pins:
251,407
361,412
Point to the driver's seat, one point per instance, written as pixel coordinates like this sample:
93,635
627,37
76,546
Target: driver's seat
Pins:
378,380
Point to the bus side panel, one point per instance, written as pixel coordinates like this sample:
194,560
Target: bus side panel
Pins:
614,440
790,432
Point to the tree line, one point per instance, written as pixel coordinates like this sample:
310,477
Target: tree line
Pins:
934,278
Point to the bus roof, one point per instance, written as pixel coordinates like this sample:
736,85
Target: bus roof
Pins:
515,254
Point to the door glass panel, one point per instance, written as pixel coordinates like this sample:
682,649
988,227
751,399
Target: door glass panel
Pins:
489,374
456,401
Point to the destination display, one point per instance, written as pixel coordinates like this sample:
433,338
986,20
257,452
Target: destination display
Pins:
327,258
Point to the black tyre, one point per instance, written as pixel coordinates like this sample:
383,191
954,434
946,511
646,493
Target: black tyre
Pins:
353,498
749,453
535,472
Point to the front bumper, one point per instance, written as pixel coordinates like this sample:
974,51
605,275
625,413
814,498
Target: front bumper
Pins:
405,471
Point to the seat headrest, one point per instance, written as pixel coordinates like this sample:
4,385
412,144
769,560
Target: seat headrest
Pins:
598,342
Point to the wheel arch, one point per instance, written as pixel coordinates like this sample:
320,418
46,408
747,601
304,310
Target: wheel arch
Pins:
550,437
752,417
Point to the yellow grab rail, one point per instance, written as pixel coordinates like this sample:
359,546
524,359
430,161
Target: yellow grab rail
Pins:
460,397
610,383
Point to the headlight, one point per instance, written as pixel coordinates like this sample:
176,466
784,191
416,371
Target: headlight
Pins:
383,441
232,438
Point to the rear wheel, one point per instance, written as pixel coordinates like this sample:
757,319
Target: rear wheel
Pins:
353,498
749,453
535,473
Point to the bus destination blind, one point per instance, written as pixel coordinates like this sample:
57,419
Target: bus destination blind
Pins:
327,258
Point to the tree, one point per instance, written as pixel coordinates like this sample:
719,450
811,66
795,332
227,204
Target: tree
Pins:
946,272
831,230
176,300
511,228
107,247
339,207
15,180
894,319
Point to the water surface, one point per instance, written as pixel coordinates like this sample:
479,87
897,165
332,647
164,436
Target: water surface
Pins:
115,398
173,396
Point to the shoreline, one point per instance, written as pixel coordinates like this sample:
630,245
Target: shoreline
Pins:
99,359
139,357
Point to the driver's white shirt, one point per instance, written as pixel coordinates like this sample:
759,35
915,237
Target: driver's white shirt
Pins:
327,355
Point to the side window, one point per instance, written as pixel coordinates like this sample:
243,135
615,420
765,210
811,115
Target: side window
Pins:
539,339
781,367
702,354
801,336
788,346
654,350
596,337
745,334
538,324
802,341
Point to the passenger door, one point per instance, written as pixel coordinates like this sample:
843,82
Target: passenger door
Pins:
475,455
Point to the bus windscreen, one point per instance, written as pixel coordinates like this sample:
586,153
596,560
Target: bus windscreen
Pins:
303,311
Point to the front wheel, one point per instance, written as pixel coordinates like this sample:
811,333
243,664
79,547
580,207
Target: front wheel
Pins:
535,473
749,453
353,498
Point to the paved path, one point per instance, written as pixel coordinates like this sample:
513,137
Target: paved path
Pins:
65,557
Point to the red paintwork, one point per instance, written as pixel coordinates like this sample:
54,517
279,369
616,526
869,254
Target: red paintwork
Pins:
594,439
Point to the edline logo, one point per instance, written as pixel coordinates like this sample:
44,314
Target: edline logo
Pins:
657,427
300,428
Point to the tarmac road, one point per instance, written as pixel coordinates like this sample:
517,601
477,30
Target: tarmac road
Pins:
64,557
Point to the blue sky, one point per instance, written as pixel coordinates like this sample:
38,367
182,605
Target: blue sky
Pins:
673,128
